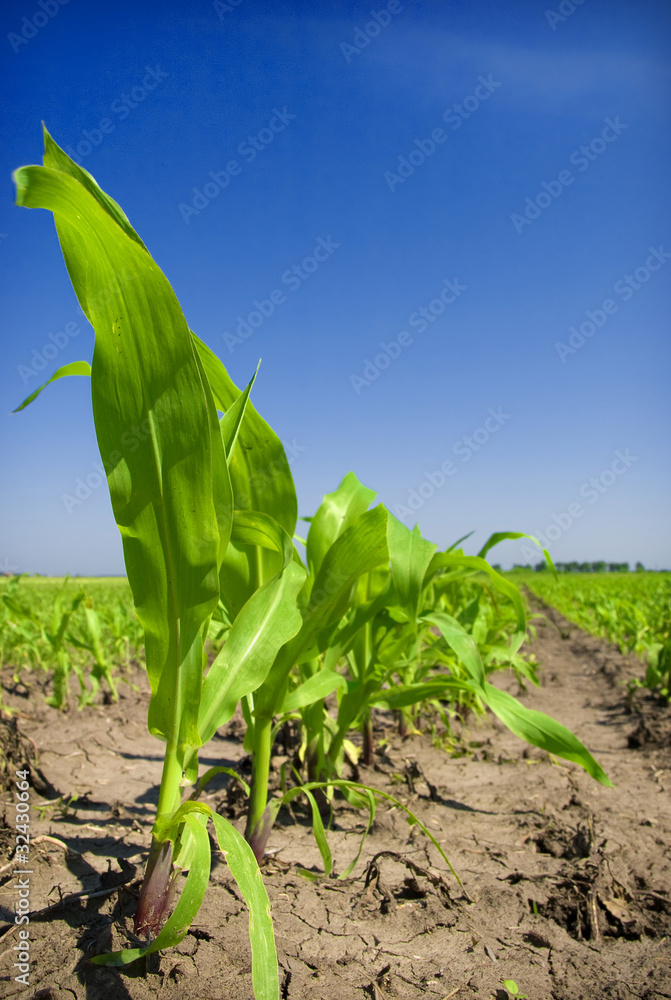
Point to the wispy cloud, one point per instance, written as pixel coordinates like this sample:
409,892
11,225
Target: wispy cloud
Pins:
432,65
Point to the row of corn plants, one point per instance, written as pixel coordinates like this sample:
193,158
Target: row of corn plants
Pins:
632,610
71,627
372,614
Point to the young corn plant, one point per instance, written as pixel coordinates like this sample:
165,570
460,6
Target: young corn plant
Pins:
371,601
393,622
55,640
92,642
155,391
350,542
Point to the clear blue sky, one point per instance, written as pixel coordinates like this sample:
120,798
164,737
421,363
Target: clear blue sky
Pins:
511,160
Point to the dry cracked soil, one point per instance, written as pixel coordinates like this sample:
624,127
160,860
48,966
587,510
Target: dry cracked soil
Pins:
565,884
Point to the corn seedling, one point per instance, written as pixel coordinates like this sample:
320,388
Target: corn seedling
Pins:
155,392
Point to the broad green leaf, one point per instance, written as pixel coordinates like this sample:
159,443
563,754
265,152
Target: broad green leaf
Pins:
252,527
410,555
74,368
542,731
337,511
155,422
315,688
341,641
55,157
463,644
413,694
259,467
361,548
268,620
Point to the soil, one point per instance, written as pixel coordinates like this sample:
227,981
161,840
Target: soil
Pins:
566,885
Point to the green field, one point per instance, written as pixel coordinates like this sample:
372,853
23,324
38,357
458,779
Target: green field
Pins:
632,610
84,625
88,625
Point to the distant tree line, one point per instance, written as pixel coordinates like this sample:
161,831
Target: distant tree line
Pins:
585,567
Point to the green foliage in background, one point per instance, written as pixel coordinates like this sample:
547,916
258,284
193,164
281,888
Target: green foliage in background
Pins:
632,610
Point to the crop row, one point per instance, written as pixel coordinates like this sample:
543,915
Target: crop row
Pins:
632,610
83,627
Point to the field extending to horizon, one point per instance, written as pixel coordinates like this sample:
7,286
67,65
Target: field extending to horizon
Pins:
563,886
631,610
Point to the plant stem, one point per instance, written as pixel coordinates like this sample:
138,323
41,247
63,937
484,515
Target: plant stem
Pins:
258,820
154,899
169,796
368,756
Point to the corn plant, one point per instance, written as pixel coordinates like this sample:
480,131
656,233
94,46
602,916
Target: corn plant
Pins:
20,630
155,393
54,640
630,609
371,600
91,640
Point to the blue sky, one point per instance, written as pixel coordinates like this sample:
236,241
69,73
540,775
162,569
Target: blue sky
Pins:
312,179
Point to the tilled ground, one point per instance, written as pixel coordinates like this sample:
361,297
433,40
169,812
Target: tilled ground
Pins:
566,885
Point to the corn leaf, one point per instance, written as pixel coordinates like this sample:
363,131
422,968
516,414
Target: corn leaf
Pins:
315,688
247,874
463,644
268,620
410,555
361,548
190,899
74,368
336,513
155,422
542,731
